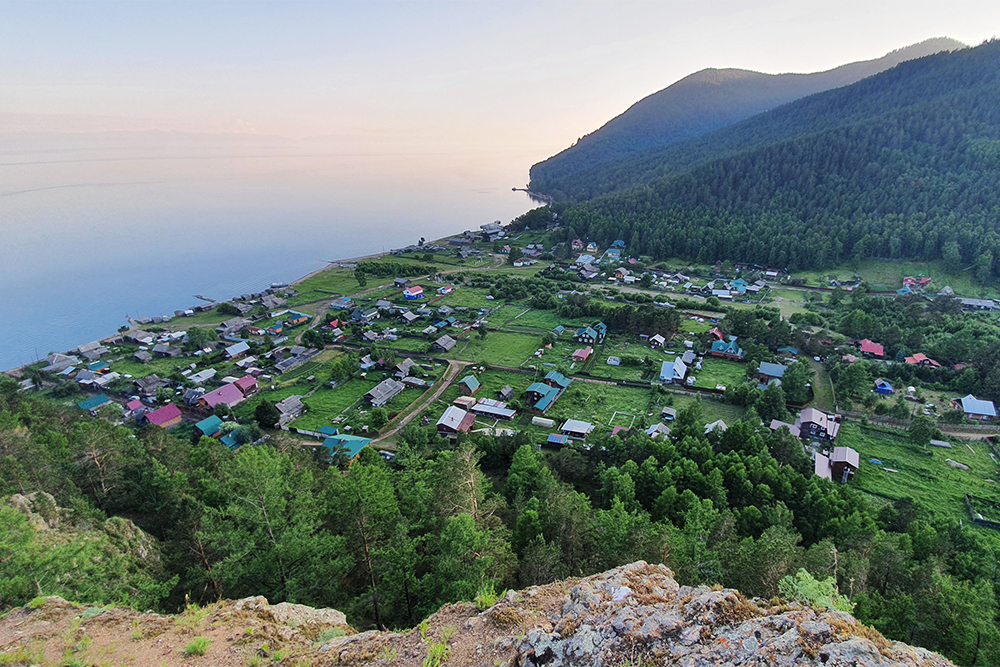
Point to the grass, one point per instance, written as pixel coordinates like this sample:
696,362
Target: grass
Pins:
197,646
823,396
927,479
499,348
719,372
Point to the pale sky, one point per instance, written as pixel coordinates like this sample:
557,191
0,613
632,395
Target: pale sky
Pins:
397,76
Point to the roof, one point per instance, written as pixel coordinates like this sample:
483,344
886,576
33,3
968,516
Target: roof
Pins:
209,425
246,383
445,342
558,378
846,455
722,347
352,443
920,358
94,402
772,370
577,426
657,429
792,428
454,418
494,408
163,415
870,347
470,381
974,406
718,424
227,394
134,405
556,439
384,391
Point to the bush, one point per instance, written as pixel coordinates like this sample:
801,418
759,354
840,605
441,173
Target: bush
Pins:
803,587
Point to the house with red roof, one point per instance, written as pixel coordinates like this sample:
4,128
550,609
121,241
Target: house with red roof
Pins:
921,359
583,353
227,394
716,333
576,244
247,385
166,417
874,349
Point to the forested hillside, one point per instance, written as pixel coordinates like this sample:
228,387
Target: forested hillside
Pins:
703,102
900,165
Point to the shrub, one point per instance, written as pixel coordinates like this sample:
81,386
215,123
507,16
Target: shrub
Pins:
198,646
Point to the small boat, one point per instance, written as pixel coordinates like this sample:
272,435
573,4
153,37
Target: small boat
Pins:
277,285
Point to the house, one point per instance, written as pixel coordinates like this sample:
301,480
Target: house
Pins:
444,343
402,283
768,372
370,336
295,319
557,380
657,341
673,371
290,408
93,403
106,379
237,350
788,350
231,326
164,351
384,304
840,465
813,423
507,393
974,408
576,429
384,392
166,417
614,361
726,350
668,414
621,273
192,396
364,315
272,302
717,425
883,387
409,318
227,395
414,292
201,377
343,303
209,426
445,311
658,430
247,385
588,272
592,247
349,445
715,333
921,359
540,396
576,244
455,420
871,348
148,385
777,424
495,409
590,335
468,385
402,369
583,353
429,331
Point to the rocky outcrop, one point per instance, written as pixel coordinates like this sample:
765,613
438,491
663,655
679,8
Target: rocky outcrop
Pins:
632,615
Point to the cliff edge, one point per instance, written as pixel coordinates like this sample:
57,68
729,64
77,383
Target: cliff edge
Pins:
633,615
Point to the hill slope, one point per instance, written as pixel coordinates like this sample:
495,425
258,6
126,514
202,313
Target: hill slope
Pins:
702,102
629,615
903,164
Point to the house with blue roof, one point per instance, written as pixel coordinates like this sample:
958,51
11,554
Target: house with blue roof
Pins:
974,408
229,440
788,350
883,387
768,372
727,350
93,403
673,371
327,430
556,440
540,396
209,426
618,243
351,445
558,330
557,379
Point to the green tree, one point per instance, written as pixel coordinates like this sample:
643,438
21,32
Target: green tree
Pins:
921,431
267,414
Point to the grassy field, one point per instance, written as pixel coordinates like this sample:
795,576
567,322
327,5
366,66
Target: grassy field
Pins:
498,348
823,396
889,276
929,480
503,314
692,326
719,371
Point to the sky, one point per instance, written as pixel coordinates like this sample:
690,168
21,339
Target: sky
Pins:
384,77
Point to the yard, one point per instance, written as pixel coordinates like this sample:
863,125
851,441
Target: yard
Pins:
499,348
928,479
719,372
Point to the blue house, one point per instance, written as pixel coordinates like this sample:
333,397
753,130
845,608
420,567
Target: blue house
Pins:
93,403
209,426
618,244
727,350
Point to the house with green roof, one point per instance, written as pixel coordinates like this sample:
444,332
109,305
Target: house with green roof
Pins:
209,426
93,403
468,385
727,350
350,444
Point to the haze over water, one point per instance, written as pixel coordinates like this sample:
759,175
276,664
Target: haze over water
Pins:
97,228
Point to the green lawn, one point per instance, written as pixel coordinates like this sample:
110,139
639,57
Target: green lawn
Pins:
691,326
929,480
161,367
503,314
719,371
823,396
498,348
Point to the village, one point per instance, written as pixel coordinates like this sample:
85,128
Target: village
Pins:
343,366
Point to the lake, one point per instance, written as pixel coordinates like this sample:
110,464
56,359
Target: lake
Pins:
97,228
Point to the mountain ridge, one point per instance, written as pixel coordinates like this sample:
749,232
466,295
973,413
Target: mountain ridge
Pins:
702,102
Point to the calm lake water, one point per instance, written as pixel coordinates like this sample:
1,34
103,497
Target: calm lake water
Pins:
92,231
